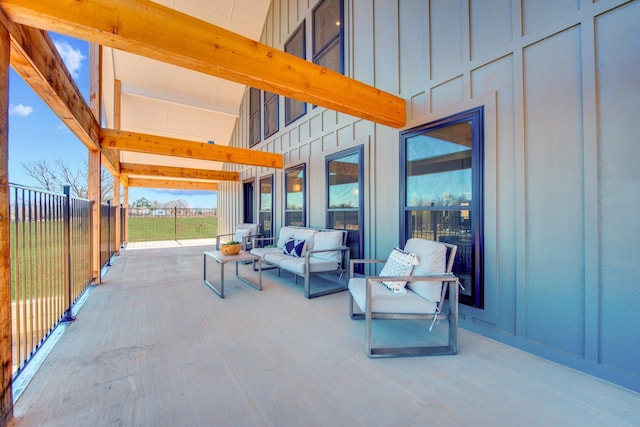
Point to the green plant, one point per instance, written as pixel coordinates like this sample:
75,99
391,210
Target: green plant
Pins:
233,242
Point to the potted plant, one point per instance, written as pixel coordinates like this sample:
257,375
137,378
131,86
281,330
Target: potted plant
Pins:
230,248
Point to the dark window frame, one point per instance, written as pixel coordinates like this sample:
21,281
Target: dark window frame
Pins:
319,53
255,110
476,116
359,150
288,102
303,168
270,101
271,208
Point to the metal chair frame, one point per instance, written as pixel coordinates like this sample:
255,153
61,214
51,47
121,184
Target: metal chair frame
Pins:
451,315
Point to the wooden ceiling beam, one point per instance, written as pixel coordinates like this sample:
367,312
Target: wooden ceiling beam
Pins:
176,172
151,144
152,30
174,184
37,61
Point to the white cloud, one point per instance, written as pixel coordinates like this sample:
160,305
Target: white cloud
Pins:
20,110
72,58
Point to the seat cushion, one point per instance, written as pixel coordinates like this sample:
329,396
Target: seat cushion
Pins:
261,252
432,260
327,240
383,301
296,265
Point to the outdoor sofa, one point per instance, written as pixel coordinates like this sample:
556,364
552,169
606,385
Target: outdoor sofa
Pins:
304,251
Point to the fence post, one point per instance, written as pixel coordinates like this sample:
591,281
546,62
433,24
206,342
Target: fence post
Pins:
108,233
68,316
175,223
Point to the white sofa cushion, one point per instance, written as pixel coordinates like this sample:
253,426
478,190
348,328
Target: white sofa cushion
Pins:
388,302
241,233
286,233
306,234
327,240
296,265
432,260
262,252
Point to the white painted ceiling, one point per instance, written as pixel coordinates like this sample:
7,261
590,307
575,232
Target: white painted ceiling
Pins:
165,100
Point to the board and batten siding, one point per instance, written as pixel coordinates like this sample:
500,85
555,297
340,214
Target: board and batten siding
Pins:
560,86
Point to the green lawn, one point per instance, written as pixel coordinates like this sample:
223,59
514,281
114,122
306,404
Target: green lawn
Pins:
143,229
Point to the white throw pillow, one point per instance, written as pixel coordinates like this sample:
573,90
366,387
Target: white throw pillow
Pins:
399,263
240,234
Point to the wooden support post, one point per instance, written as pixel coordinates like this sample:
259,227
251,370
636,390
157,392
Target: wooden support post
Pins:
116,201
6,398
95,159
96,198
125,204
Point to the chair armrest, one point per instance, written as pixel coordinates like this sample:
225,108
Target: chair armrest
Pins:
262,239
355,261
337,248
249,239
446,277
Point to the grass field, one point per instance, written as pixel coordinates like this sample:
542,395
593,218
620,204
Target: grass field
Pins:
144,229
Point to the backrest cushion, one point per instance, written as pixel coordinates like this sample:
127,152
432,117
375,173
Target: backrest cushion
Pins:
327,240
240,234
294,247
286,233
399,263
253,228
306,234
432,260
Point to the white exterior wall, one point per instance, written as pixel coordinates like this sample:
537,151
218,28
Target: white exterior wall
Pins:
560,85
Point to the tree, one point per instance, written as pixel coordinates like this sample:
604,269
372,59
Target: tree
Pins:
180,203
143,202
54,177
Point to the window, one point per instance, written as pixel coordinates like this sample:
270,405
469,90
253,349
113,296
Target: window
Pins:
294,109
295,201
442,179
270,114
265,209
327,35
254,116
345,198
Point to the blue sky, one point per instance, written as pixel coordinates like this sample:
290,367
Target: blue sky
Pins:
36,133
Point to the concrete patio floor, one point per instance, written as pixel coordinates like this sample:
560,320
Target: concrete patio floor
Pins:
153,346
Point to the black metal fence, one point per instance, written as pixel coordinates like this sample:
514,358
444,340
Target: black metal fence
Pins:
152,224
50,264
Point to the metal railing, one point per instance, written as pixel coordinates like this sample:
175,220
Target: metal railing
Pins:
50,264
108,245
149,224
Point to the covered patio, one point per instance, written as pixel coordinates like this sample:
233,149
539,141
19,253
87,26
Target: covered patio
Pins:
152,345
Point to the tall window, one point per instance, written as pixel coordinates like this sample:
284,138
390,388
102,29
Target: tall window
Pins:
295,200
293,108
327,35
270,114
254,116
442,175
345,197
265,209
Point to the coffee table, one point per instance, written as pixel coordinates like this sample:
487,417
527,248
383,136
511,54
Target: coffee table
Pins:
222,259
